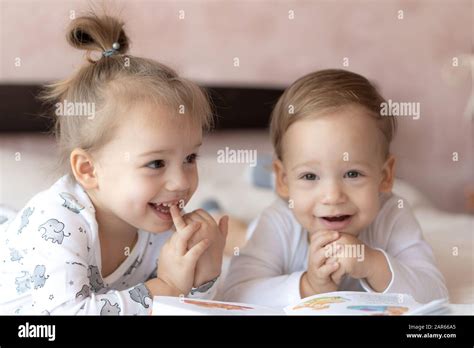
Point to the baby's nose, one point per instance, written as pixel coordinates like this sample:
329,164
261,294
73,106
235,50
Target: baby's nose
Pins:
332,193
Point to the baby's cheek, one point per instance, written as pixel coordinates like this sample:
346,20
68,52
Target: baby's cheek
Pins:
305,219
301,204
369,210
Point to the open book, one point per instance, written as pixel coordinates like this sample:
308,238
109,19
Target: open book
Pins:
333,303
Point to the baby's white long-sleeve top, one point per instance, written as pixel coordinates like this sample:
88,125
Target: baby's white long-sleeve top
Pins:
268,269
50,260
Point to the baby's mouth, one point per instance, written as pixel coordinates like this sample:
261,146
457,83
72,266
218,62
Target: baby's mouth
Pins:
337,218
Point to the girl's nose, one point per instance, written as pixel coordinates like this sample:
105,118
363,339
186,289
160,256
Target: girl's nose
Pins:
177,180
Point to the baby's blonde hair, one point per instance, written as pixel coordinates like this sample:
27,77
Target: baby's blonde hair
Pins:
324,91
109,81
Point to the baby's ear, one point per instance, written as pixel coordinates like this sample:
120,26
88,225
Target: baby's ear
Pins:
388,175
281,179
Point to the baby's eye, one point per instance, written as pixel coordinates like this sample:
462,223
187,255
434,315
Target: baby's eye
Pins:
352,174
192,158
156,164
309,176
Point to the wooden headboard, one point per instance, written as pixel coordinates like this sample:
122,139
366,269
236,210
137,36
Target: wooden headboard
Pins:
235,107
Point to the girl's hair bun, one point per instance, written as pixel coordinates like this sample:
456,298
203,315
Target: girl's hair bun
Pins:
94,33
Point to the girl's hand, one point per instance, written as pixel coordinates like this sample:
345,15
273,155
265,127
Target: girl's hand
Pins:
210,264
177,264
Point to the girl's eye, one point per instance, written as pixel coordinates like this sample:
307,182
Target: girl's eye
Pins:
156,164
192,158
309,176
352,174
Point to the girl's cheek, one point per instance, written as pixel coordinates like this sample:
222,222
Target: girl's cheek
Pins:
143,189
194,180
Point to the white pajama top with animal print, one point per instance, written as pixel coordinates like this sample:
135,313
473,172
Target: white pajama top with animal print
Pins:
50,260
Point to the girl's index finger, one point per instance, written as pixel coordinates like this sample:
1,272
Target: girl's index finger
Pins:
177,218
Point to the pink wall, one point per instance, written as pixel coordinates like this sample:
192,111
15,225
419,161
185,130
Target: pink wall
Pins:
410,59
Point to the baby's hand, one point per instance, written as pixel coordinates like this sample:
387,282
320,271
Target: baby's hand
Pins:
321,265
352,255
210,264
177,264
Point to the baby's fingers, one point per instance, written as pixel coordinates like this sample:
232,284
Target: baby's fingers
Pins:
320,239
337,276
196,251
319,258
327,269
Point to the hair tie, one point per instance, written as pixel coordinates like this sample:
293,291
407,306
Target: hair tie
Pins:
112,51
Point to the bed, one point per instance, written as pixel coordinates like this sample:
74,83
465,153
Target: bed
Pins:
450,235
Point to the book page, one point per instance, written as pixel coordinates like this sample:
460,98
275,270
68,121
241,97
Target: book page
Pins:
354,303
164,305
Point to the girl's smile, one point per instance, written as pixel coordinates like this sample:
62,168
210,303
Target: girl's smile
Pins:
162,210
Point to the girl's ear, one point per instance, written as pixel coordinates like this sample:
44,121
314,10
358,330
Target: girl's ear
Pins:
388,175
82,166
281,179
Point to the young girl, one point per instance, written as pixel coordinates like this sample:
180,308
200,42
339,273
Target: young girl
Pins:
90,243
336,225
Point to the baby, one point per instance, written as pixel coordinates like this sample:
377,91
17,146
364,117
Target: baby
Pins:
336,225
90,243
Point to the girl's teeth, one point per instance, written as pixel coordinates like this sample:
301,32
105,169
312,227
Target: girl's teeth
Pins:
169,205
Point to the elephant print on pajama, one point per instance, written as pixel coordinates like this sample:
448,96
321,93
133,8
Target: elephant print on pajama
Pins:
139,294
95,279
23,283
38,278
84,292
53,229
109,309
25,218
71,203
15,255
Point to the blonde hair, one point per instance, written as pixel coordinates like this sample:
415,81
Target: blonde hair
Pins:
110,80
323,91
